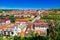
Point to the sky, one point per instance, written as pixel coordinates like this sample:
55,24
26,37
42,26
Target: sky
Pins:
29,3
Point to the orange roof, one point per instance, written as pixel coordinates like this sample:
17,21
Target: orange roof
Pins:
6,26
22,20
9,26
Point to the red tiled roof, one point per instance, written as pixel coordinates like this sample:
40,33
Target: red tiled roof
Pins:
32,11
15,13
25,12
39,24
38,21
29,26
6,19
2,20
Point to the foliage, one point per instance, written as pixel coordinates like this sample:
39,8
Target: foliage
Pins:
12,20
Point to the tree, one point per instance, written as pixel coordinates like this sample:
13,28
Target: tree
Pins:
17,38
12,20
0,11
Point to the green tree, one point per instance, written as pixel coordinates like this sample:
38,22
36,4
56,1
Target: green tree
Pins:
12,20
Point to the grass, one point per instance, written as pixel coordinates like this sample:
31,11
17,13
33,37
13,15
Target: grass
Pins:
51,17
30,19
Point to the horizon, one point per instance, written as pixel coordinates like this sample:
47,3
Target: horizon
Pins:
29,8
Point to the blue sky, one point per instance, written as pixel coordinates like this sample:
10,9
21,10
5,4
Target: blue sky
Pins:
29,3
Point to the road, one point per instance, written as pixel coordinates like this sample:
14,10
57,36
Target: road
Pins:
38,17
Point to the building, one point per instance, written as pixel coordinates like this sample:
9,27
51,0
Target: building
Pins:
4,21
6,30
40,27
29,29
